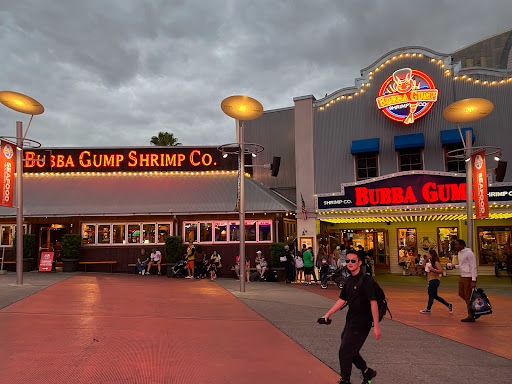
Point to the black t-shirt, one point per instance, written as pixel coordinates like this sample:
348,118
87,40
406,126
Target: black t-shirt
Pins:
358,291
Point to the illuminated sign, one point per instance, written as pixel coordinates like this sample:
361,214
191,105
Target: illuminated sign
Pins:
407,95
420,189
128,159
480,183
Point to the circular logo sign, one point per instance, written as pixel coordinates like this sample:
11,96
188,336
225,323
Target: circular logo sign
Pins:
407,95
479,161
8,151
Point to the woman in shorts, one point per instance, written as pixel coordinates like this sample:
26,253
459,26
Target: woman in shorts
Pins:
299,264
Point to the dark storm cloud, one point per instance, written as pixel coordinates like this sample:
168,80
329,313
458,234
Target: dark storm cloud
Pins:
117,72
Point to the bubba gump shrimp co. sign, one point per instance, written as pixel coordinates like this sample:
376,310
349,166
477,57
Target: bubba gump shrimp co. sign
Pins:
407,95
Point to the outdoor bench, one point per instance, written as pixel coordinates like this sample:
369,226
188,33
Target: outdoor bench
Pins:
154,265
86,263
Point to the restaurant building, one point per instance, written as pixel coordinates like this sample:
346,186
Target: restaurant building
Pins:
124,199
367,164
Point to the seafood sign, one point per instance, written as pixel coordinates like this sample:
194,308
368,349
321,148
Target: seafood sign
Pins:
407,95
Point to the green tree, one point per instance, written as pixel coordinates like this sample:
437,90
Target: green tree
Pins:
164,139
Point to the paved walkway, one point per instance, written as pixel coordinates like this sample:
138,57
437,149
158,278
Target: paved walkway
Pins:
110,328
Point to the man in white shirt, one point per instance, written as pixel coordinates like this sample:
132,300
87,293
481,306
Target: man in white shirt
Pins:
468,274
156,258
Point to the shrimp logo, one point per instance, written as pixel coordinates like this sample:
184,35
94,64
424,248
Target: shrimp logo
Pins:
8,151
479,162
407,95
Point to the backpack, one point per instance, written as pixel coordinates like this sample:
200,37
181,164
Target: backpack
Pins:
382,303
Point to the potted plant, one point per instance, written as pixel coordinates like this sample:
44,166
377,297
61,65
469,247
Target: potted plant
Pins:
276,249
71,244
29,242
173,251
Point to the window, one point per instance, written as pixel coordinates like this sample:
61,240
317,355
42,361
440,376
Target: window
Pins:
191,232
407,241
124,233
454,165
366,165
206,232
446,238
7,233
409,159
494,244
224,231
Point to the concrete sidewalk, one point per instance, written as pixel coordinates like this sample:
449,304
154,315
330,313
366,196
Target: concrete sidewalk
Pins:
112,328
404,354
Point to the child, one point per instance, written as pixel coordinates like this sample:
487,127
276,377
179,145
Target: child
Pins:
212,268
299,264
324,270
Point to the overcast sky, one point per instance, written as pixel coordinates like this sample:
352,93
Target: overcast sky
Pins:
115,73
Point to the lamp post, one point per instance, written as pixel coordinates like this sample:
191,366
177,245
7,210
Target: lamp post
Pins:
465,111
241,108
24,104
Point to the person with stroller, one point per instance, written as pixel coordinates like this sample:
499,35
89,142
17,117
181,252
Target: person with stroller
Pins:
142,262
434,270
212,268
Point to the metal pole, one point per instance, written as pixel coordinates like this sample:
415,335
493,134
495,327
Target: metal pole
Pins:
469,187
241,181
19,199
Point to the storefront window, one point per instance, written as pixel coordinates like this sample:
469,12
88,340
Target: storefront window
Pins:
133,233
250,231
119,237
190,232
6,235
206,232
163,232
221,233
494,244
366,165
104,233
446,238
89,234
410,159
265,231
454,164
234,232
148,232
407,240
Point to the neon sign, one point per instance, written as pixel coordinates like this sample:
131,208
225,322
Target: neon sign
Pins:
407,95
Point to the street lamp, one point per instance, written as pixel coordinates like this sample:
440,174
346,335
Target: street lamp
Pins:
24,104
242,108
465,111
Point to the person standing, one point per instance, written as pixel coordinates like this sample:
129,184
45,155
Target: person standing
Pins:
433,283
359,293
287,260
199,257
468,275
299,266
191,256
308,264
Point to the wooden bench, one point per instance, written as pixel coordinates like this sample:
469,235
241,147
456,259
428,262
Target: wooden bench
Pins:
154,265
86,263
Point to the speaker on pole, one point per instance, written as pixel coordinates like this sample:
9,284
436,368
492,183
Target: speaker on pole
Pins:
501,170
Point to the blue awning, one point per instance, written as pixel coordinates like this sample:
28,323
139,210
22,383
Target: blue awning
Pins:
415,140
452,136
368,145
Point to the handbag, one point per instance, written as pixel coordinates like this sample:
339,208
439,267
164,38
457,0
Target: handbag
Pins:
282,259
480,303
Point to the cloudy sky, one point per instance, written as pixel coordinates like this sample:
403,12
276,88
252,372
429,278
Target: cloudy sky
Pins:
116,72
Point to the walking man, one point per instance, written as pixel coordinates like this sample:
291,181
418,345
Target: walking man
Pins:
468,274
359,293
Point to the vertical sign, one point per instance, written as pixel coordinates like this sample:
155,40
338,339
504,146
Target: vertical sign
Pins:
480,185
7,168
46,261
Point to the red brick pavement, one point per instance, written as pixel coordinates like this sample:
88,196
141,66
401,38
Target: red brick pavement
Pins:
96,328
491,333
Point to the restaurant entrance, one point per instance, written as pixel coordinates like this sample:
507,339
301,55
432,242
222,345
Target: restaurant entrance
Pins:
50,239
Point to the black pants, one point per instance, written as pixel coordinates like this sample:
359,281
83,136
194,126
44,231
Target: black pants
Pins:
352,341
289,272
432,293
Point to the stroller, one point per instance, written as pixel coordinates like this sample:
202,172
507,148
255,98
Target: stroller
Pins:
338,276
179,270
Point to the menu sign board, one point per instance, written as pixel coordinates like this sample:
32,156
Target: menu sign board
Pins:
46,261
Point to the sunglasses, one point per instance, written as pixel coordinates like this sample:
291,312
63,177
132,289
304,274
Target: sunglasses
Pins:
352,261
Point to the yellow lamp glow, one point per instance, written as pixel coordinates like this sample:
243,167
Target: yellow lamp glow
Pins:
21,103
467,110
242,107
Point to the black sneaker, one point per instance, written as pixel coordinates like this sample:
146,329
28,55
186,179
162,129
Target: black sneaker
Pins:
368,376
468,320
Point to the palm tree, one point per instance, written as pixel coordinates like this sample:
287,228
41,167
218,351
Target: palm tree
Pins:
164,139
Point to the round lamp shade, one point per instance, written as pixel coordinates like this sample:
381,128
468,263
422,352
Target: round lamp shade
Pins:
467,110
242,107
21,103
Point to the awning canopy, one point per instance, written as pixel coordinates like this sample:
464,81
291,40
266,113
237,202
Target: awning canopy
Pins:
415,140
368,145
452,136
124,195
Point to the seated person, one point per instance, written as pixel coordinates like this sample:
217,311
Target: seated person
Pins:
142,262
156,258
215,257
212,268
261,264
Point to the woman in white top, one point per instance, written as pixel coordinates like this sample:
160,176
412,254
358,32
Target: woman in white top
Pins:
261,264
